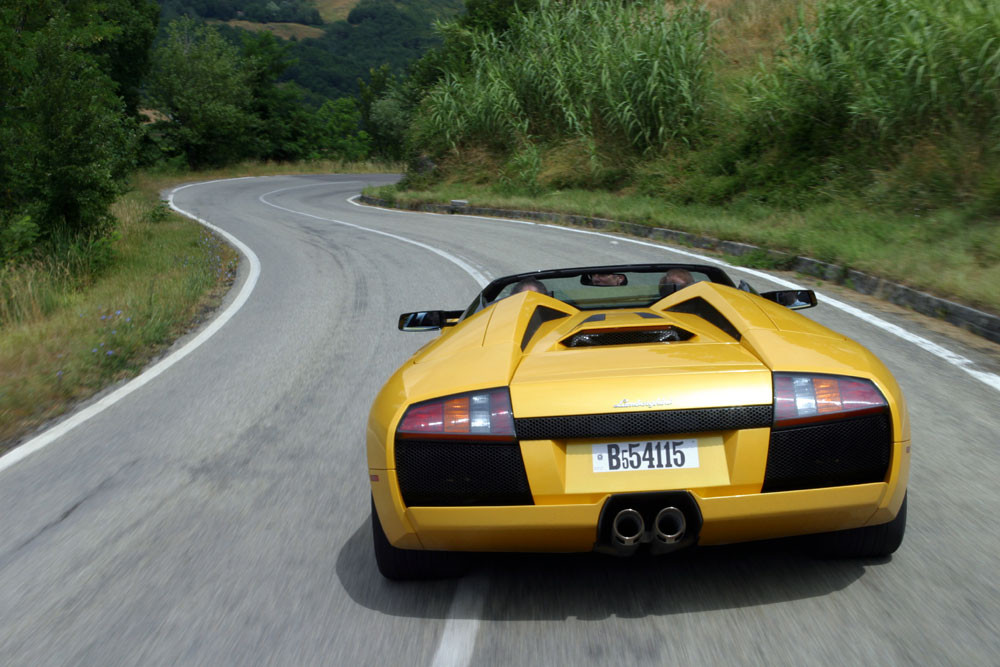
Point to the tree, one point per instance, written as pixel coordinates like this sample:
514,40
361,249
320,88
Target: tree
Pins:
339,135
66,144
285,124
125,55
204,87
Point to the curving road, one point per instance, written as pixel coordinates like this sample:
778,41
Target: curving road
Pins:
219,514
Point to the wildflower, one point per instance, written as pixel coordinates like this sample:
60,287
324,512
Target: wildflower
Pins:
59,374
114,331
110,352
118,312
94,350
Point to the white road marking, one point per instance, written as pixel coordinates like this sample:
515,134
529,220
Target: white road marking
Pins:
458,639
479,277
60,429
953,358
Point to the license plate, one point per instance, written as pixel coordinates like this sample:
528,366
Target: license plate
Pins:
645,455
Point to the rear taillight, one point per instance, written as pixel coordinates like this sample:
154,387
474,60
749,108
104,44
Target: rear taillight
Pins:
801,398
483,414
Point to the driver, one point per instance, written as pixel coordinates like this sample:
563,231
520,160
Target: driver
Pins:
675,279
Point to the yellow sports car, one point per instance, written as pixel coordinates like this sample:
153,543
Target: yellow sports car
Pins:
618,408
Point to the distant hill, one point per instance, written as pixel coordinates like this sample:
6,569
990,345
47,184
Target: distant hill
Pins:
330,55
375,32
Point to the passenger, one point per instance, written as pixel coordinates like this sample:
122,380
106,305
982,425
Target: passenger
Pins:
530,285
675,279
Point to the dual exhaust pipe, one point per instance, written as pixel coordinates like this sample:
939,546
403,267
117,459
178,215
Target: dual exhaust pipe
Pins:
628,528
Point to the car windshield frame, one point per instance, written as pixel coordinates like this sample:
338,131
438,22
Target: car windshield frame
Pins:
631,298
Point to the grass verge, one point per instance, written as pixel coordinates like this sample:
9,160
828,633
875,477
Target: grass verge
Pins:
63,339
941,252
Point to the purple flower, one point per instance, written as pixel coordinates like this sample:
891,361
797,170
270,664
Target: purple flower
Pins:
110,352
118,312
94,350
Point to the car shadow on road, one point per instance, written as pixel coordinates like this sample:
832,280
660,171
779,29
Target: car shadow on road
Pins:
594,586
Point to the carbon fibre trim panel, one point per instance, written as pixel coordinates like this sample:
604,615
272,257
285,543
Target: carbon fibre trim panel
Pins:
706,311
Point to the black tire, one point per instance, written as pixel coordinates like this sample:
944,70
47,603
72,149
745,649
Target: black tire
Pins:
865,542
407,564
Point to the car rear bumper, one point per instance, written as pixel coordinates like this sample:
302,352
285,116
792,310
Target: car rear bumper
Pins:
572,527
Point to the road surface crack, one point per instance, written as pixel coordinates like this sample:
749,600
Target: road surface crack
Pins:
68,512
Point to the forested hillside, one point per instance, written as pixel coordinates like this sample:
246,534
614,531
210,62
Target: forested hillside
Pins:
376,32
261,11
328,65
75,76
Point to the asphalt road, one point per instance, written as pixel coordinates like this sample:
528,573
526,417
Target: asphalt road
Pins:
219,515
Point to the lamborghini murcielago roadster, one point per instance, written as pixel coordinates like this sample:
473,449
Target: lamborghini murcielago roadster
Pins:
633,407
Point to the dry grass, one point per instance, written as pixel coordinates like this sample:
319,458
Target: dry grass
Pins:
77,339
282,30
334,10
749,30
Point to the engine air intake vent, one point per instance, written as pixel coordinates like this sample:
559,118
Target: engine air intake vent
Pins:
457,473
597,338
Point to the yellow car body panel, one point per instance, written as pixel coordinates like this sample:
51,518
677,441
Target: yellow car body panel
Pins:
712,369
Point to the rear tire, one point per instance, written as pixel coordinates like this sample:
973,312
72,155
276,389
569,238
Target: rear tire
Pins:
865,542
406,564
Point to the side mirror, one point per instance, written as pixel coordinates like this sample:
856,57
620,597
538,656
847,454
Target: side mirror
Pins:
795,299
429,320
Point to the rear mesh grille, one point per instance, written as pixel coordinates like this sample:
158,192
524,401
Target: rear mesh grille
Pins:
452,474
627,424
853,451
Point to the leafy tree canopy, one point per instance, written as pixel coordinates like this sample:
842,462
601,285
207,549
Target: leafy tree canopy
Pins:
201,84
66,143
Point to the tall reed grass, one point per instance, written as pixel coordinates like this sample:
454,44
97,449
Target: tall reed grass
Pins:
883,71
636,72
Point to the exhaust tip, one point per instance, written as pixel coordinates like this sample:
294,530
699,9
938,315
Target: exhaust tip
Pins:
669,525
628,527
